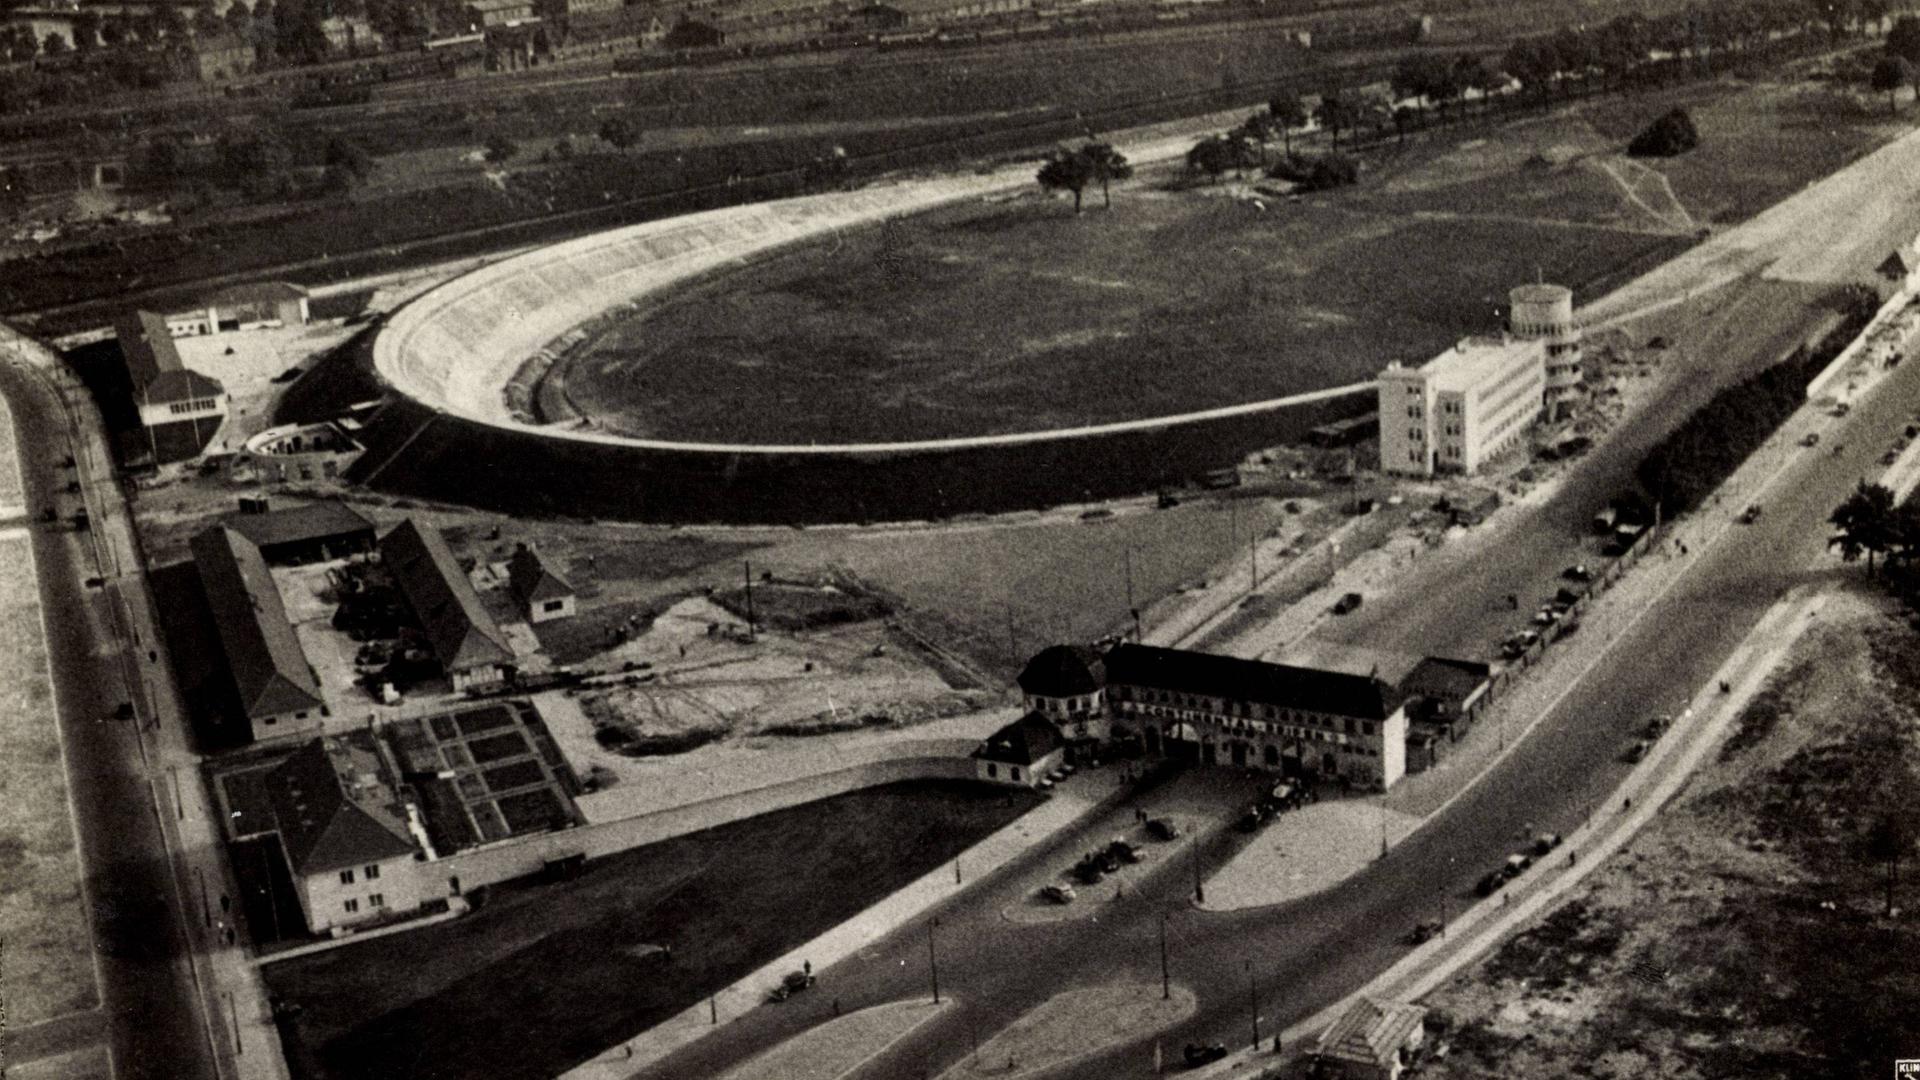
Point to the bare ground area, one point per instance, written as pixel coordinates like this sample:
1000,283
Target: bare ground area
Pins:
46,969
1746,933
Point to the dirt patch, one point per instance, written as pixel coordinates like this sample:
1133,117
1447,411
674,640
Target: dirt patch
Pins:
1746,933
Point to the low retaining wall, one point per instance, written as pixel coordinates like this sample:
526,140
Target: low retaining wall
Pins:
520,858
415,450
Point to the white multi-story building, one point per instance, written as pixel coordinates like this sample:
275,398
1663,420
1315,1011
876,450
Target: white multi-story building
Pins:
1545,312
1462,407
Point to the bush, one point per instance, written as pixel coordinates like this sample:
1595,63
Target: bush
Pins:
1318,173
1672,134
500,148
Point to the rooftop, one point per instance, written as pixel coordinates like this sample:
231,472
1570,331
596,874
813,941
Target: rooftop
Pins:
533,579
257,292
1388,667
335,806
1023,742
457,625
292,525
269,667
153,361
1307,689
1477,359
1371,1032
1063,671
1539,293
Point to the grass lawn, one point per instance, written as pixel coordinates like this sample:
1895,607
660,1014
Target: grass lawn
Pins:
47,969
1019,316
543,976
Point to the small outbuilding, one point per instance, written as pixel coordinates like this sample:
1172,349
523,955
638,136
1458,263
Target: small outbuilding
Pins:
540,591
1373,1040
1022,753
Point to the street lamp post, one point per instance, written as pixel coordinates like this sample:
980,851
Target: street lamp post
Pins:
1166,980
933,961
1199,890
1253,999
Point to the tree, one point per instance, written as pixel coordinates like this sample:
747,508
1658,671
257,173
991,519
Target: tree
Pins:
1257,129
1213,155
1887,839
1106,166
619,132
206,24
1471,72
1890,74
1904,39
53,44
1067,170
500,148
114,30
86,30
239,18
1337,111
1288,112
1672,134
349,157
1864,523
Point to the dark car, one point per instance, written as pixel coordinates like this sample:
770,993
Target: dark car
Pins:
1424,932
1750,515
1490,884
1198,1054
1162,829
1088,870
1347,603
1578,572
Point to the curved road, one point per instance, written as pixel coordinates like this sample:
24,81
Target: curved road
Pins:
1309,953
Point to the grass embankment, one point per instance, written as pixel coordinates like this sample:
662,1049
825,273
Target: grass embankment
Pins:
543,976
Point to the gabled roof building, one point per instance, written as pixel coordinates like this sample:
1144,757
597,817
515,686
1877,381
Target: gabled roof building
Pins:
278,690
539,589
469,645
1021,753
165,391
1373,1040
346,834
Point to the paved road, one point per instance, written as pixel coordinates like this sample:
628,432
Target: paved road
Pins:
1310,953
153,1024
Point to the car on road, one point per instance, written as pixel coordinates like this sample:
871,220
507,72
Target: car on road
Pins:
1638,751
1889,457
1088,871
1658,725
1097,514
1842,409
1489,883
1347,603
1577,572
1058,893
1545,842
1546,616
1812,439
1251,821
1516,865
792,983
1424,932
1198,1054
1750,515
1162,829
1124,850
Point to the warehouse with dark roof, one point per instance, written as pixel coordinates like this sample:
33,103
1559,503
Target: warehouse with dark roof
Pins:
278,691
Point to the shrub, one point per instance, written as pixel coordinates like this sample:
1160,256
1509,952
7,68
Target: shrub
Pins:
1318,173
1672,134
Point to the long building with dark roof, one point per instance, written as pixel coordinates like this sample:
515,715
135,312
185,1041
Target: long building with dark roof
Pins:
1225,710
278,690
469,644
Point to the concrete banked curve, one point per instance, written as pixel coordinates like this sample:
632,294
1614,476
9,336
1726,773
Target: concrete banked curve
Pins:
455,348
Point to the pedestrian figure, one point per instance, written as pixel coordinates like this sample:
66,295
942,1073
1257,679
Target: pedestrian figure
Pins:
1629,805
806,968
229,932
1571,856
226,902
836,1006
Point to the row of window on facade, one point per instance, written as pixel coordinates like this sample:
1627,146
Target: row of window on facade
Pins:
374,900
372,873
1063,705
182,408
1013,772
1348,723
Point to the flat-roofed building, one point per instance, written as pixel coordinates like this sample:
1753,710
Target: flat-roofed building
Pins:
278,690
1461,408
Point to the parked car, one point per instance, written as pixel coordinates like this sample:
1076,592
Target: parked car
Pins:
1889,457
1545,842
1577,572
1658,725
1096,514
1251,820
1516,865
1162,829
1842,409
1812,439
1123,850
1566,597
1198,1054
1750,515
1424,932
1489,883
1168,500
1089,871
1347,603
1059,893
1638,751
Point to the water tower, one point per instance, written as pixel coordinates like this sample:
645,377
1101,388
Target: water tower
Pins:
1545,312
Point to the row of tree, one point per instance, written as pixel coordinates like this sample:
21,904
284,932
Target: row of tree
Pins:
1900,61
1871,523
292,32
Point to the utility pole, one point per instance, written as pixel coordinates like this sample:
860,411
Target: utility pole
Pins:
1166,983
1253,996
933,961
752,633
1199,891
1383,825
1013,647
